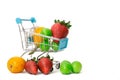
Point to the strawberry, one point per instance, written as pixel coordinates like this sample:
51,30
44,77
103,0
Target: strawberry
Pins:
60,29
45,65
31,67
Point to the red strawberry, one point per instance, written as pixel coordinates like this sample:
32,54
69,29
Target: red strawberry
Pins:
45,65
60,29
31,67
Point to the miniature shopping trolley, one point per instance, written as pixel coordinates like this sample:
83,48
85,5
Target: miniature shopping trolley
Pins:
28,43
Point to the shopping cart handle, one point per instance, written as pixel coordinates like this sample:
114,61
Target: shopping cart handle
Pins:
19,20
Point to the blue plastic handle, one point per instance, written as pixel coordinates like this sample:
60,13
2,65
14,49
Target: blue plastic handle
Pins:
19,20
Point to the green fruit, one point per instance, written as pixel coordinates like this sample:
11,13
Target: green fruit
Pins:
45,46
46,32
55,46
66,67
77,66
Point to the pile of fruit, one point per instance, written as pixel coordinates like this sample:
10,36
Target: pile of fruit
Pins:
44,64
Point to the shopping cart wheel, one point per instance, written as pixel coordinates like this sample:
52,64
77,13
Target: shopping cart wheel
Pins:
57,65
51,69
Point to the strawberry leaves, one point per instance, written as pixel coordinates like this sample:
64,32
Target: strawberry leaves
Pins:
67,24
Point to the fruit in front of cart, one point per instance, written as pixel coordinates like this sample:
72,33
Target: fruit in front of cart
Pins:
45,65
60,29
77,66
36,38
55,46
31,67
45,46
66,67
46,32
16,64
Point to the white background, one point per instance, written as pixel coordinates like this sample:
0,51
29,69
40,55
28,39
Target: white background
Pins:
94,37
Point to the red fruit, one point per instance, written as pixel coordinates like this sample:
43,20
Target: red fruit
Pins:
31,67
45,65
60,29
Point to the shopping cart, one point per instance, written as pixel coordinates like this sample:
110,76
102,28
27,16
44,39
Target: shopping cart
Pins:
28,43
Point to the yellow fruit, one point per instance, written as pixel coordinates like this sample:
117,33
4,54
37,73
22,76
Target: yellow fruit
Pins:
37,39
16,64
